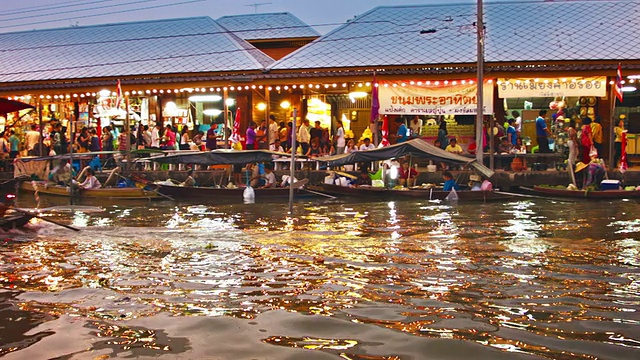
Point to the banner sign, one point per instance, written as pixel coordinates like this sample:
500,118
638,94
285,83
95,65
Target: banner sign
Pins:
454,98
528,88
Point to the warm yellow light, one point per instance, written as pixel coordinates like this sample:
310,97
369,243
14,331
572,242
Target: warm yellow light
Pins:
261,106
357,94
285,104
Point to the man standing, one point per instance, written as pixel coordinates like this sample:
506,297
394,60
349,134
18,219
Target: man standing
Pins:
32,139
212,139
518,118
273,129
401,135
596,134
316,133
304,136
251,136
542,131
416,127
155,137
339,138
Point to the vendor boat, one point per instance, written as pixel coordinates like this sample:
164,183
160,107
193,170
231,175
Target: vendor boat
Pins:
582,194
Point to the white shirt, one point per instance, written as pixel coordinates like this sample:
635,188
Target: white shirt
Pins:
155,137
270,179
273,132
416,127
340,142
32,138
519,123
91,182
364,147
303,134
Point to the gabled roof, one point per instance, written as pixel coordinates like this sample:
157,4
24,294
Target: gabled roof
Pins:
282,25
446,34
190,45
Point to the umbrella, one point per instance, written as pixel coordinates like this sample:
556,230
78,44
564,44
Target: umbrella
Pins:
8,106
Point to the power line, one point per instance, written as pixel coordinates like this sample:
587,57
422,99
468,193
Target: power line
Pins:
60,5
107,13
79,10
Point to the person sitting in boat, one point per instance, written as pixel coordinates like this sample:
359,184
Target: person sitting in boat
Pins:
90,182
190,181
364,179
594,175
449,182
61,174
475,182
268,179
407,175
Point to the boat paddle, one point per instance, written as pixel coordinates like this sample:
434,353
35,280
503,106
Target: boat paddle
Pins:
44,219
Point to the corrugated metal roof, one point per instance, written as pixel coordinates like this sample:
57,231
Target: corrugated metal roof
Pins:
188,45
446,34
282,25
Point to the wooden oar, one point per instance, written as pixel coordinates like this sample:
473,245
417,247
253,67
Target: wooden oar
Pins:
321,194
44,219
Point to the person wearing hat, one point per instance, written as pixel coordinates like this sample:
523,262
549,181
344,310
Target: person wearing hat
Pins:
594,175
475,182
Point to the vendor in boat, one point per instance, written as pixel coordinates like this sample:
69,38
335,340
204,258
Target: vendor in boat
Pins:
62,174
407,175
364,179
90,182
269,177
594,175
190,181
449,182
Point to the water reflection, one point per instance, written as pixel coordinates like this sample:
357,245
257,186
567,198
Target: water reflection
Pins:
521,277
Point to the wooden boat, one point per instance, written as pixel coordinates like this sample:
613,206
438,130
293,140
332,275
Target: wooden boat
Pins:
411,193
128,193
212,194
14,221
582,194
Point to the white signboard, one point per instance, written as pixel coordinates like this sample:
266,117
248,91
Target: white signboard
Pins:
529,88
429,98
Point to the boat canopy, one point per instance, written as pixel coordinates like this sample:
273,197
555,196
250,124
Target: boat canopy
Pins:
218,157
415,147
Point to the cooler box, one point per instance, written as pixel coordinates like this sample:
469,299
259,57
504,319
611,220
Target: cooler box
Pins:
610,185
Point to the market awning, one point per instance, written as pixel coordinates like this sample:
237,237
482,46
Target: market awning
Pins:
416,147
218,157
8,106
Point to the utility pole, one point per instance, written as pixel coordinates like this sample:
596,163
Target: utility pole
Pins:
480,84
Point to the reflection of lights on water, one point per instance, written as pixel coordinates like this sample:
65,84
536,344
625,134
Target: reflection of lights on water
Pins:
524,231
312,343
80,219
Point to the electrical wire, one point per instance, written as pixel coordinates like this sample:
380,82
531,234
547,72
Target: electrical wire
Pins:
107,13
78,10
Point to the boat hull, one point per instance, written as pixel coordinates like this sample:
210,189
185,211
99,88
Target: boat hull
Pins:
580,194
10,222
102,193
212,194
423,194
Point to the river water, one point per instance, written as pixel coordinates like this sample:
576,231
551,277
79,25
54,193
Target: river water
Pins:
529,278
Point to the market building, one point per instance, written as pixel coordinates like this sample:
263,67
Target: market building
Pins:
423,57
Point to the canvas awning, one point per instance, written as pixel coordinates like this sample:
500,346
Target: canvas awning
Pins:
218,157
416,147
8,106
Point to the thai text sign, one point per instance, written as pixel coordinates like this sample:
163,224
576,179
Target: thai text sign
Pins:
453,98
526,88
